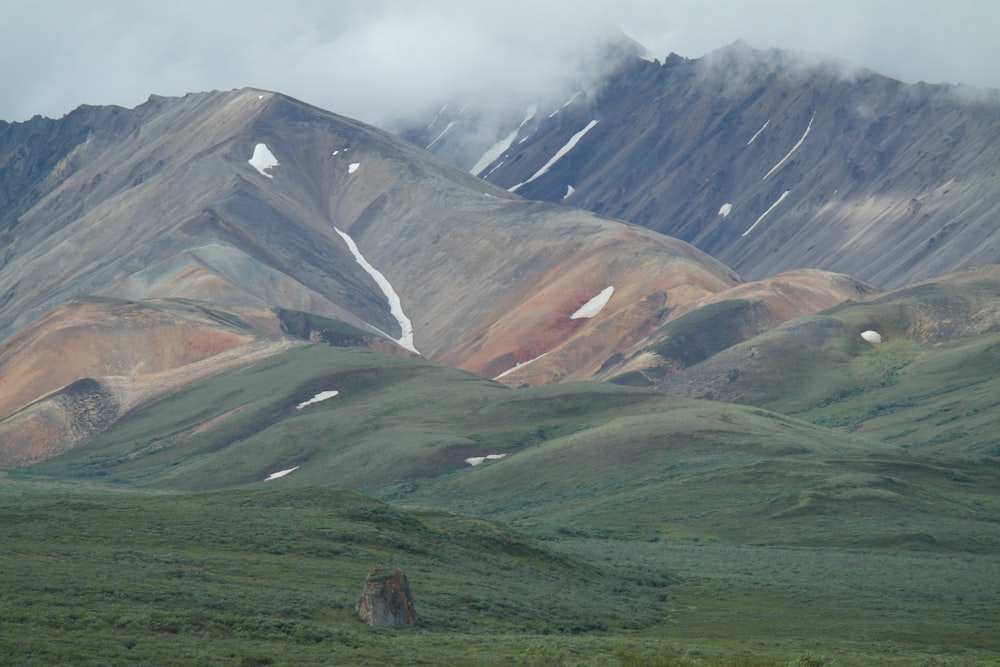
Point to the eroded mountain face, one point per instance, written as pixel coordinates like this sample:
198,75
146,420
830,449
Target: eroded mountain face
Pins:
144,249
766,162
247,201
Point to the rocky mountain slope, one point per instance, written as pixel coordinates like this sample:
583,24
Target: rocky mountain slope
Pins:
148,248
766,160
248,201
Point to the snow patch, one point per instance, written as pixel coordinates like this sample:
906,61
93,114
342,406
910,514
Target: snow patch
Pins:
500,147
519,365
443,132
569,191
725,210
594,306
447,127
568,102
872,337
263,159
335,152
757,133
353,167
782,161
436,116
559,154
395,305
280,473
476,460
769,209
318,398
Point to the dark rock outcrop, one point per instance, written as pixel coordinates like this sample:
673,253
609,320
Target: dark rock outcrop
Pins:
386,599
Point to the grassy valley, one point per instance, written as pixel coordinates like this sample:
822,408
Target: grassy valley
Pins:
634,529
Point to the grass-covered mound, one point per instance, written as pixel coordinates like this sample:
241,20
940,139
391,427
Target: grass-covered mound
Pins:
114,577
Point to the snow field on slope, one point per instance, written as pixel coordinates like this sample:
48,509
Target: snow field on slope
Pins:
262,159
500,147
594,306
769,209
783,160
558,156
395,305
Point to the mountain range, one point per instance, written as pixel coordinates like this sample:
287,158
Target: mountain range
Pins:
766,160
743,298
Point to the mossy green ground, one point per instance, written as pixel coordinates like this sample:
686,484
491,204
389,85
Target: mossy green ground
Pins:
95,577
634,528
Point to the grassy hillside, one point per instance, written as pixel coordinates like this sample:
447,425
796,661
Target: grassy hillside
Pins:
643,529
586,458
94,576
931,385
98,577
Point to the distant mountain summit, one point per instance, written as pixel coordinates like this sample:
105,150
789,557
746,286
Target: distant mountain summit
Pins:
767,160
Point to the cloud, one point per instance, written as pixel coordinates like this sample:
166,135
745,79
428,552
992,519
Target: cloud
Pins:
381,59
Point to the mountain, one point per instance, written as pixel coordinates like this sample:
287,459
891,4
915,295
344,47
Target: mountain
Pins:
928,383
766,160
224,316
243,203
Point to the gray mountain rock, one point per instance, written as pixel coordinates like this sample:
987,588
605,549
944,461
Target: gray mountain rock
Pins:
770,161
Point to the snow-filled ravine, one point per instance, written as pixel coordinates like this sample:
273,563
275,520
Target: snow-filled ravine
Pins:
573,141
757,133
798,143
566,104
769,209
395,305
594,306
520,364
476,460
500,147
280,473
318,398
263,159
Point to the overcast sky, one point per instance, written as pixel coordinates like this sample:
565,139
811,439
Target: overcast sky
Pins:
379,59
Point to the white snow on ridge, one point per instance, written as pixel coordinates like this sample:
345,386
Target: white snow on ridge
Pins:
519,365
263,159
567,103
443,132
280,473
476,460
559,154
594,306
725,210
353,167
436,116
395,305
318,398
757,133
782,161
447,127
769,209
569,191
500,147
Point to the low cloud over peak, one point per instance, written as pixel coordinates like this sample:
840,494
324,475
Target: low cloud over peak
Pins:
383,60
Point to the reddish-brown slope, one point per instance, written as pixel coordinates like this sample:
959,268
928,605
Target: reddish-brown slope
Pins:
77,370
766,304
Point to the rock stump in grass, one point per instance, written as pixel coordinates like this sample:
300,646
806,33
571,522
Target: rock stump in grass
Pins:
386,599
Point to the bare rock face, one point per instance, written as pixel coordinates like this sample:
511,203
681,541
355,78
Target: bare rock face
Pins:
386,599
